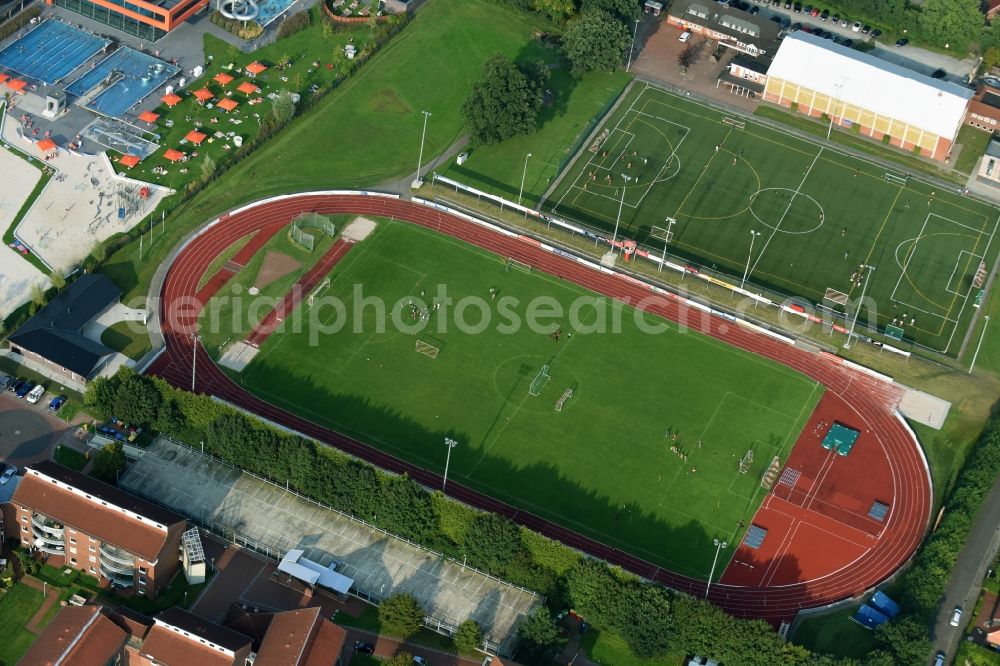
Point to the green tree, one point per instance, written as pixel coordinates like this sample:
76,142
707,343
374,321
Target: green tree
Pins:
399,659
101,395
37,295
137,400
991,57
468,637
57,279
283,108
400,615
557,10
108,462
493,542
502,104
906,639
625,10
597,41
539,637
951,23
207,169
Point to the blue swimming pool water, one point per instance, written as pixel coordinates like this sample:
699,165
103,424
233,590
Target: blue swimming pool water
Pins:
136,74
50,51
271,9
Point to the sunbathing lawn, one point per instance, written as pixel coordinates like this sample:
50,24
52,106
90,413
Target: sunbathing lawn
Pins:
17,607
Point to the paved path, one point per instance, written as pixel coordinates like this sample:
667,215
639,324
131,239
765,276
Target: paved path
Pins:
401,186
968,573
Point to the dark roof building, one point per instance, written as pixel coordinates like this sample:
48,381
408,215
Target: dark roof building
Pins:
984,109
54,336
731,27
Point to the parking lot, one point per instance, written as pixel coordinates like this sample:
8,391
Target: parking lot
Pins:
28,433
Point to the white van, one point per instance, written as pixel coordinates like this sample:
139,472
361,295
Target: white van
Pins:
685,36
36,394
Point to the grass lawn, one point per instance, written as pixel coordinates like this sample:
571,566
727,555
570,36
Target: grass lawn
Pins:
973,142
70,458
17,607
608,649
127,337
606,468
232,314
365,132
577,105
926,244
835,633
301,50
970,654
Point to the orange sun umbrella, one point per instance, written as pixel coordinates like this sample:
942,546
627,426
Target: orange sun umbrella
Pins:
222,79
129,160
247,87
3,77
228,104
203,95
171,99
173,155
16,84
148,117
195,137
45,145
256,68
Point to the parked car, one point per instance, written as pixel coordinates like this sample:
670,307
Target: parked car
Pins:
797,7
35,394
865,29
825,15
808,10
16,386
420,661
939,658
939,74
788,4
25,389
815,12
902,41
364,647
685,36
7,475
956,616
856,27
776,19
57,402
795,27
743,6
835,18
844,22
875,33
848,43
755,9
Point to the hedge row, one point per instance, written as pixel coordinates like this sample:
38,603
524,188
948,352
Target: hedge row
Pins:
245,30
293,23
652,620
19,21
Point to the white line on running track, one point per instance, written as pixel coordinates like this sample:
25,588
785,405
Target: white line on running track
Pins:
776,227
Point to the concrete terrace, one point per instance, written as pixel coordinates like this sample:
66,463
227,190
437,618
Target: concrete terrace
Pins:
212,493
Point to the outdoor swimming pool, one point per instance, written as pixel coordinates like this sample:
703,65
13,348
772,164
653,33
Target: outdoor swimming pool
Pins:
134,75
271,9
51,51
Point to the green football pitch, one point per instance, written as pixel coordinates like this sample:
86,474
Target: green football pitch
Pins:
820,215
603,464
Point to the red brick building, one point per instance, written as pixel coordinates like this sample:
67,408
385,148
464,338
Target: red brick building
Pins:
79,522
984,109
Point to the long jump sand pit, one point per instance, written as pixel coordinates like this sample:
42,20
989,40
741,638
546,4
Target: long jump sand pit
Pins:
359,229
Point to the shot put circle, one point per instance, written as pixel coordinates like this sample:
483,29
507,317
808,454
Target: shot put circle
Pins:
513,377
778,199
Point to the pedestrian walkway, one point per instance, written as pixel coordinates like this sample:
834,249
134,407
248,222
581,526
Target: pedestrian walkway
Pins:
34,625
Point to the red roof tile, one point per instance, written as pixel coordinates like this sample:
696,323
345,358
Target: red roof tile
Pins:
77,636
169,647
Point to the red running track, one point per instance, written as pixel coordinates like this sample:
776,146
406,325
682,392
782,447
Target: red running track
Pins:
872,403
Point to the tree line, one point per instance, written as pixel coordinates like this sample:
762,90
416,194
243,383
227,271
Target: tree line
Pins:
651,619
591,36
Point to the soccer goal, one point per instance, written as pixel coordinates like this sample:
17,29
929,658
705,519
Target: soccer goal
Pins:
538,383
746,461
315,292
891,177
514,264
427,349
567,394
738,124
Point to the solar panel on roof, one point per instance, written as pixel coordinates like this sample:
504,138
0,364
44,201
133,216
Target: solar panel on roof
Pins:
754,537
192,545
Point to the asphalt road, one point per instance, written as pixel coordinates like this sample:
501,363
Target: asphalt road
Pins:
968,574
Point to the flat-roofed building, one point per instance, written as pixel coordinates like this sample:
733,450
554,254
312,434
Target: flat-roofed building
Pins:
874,97
146,19
984,109
80,522
732,28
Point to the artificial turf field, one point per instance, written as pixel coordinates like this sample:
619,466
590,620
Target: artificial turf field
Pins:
821,214
602,465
